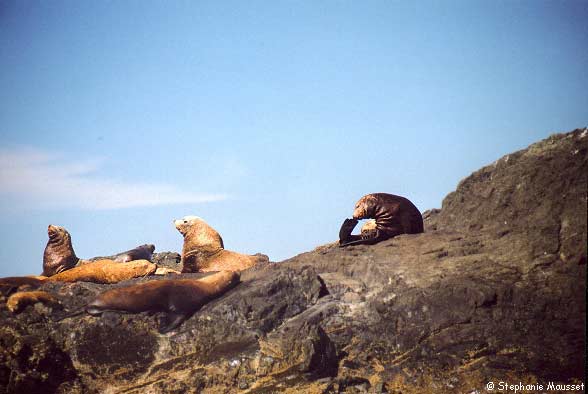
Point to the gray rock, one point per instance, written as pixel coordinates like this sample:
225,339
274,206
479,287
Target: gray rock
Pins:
494,289
168,260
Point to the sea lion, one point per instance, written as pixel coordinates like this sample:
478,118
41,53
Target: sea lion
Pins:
178,298
393,214
143,252
105,271
59,254
16,283
18,301
204,250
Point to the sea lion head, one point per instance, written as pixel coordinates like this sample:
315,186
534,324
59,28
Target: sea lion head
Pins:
184,224
59,254
58,233
198,234
365,207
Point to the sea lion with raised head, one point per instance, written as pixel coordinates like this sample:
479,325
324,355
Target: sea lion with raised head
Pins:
204,250
178,298
393,215
59,254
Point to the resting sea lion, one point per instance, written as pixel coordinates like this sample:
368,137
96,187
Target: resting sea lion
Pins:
15,283
18,301
204,251
105,271
394,215
143,252
178,298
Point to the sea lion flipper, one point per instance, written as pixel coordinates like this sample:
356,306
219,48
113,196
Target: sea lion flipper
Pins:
170,321
357,241
367,239
346,229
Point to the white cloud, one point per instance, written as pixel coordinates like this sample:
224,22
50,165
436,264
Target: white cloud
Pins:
47,180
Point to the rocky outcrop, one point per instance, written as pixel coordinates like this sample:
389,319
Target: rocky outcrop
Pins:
494,290
538,193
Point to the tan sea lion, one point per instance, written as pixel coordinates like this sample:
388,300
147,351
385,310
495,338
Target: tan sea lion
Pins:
18,301
204,251
393,214
105,271
178,298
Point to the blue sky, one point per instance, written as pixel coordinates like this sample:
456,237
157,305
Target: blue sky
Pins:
267,119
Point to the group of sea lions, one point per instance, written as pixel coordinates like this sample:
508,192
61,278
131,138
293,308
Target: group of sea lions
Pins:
178,298
203,251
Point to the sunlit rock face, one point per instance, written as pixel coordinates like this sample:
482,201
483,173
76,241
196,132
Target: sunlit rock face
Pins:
494,290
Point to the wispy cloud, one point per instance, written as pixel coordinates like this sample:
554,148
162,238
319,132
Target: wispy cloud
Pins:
49,180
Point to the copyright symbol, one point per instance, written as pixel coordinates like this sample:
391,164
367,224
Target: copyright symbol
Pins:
490,386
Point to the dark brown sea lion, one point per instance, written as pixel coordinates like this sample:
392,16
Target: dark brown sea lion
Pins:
143,252
178,298
204,251
394,215
59,254
11,284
